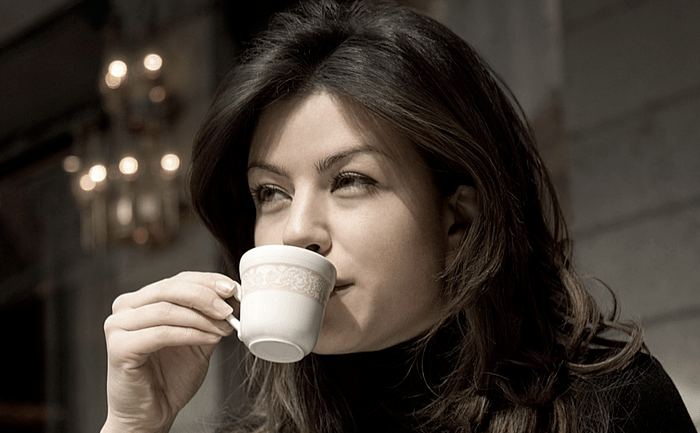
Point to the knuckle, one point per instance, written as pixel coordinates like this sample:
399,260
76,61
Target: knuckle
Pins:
112,324
185,275
117,345
108,325
114,340
167,333
120,302
164,309
195,277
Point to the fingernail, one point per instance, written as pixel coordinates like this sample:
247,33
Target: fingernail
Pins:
225,286
222,307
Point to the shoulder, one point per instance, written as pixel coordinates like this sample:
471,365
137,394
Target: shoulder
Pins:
646,400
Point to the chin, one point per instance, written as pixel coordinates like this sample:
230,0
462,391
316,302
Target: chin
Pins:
341,344
335,345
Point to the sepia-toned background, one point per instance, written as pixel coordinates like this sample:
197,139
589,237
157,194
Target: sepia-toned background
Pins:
612,88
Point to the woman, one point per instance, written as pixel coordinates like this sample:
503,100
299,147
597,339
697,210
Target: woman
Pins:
378,138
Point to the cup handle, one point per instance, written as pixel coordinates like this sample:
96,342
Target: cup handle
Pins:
234,322
230,319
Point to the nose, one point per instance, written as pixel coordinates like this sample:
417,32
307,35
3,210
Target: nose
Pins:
307,224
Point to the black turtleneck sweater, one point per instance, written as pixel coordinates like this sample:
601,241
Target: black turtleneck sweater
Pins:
382,389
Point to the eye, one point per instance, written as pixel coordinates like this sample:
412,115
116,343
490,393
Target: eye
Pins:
352,181
263,194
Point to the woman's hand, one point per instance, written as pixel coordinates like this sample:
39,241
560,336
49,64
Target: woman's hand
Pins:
159,341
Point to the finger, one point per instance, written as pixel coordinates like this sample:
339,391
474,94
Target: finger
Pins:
165,313
197,294
228,288
133,300
222,284
137,345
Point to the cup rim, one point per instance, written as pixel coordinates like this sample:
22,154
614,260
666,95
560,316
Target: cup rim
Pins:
288,254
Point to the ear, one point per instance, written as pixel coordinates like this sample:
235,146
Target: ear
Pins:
462,210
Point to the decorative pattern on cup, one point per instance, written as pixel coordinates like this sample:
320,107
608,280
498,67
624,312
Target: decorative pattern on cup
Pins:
279,276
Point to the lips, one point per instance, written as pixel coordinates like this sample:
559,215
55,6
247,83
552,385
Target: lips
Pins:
342,286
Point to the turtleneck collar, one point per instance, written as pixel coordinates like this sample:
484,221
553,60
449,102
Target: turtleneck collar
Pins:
384,389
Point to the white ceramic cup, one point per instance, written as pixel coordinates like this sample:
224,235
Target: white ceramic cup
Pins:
284,290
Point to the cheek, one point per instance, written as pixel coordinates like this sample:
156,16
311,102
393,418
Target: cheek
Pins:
398,238
394,259
268,231
406,226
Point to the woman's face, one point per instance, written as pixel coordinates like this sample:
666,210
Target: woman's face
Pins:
325,176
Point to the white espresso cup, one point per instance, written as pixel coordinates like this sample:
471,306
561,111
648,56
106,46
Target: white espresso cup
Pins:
284,290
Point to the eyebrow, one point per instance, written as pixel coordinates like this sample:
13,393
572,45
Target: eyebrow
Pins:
273,168
323,165
326,163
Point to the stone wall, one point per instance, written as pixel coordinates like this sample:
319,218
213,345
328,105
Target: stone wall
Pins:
522,40
632,106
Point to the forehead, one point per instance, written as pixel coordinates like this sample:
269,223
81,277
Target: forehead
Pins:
323,122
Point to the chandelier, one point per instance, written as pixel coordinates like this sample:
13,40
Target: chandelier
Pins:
125,178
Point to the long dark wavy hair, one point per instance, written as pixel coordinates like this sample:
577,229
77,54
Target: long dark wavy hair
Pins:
530,332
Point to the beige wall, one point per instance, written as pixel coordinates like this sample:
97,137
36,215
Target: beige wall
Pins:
522,40
632,107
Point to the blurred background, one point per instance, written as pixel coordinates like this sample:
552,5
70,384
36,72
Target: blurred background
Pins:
100,100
